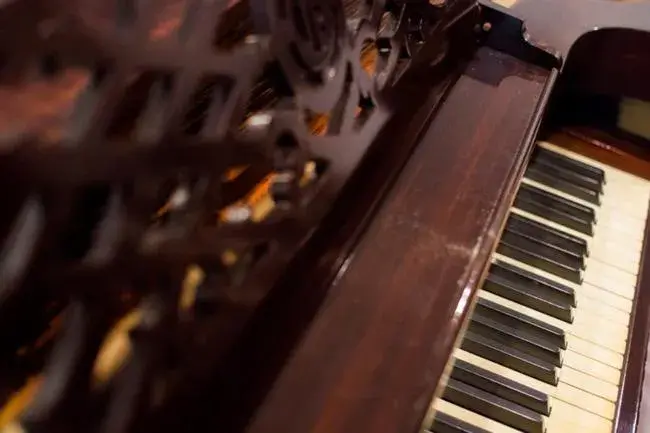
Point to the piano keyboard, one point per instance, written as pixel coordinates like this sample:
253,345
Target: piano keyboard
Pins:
545,345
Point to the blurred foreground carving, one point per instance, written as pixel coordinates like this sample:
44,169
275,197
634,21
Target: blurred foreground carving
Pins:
162,164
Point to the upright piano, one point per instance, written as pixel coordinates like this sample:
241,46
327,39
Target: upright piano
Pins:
282,216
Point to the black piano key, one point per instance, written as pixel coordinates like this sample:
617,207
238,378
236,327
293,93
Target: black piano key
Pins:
540,247
546,177
536,255
554,215
570,164
511,337
500,353
521,322
567,175
526,295
493,407
557,238
548,250
558,209
549,289
501,387
530,192
444,423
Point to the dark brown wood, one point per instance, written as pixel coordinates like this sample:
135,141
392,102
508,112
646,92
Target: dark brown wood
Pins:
609,62
632,374
560,32
372,357
607,148
371,347
600,44
142,80
243,378
643,421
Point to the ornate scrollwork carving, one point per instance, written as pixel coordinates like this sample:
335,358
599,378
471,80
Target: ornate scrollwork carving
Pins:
146,142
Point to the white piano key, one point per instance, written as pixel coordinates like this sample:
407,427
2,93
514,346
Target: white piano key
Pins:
628,208
599,332
616,219
615,241
597,288
589,383
625,194
596,307
594,351
612,174
610,278
592,367
615,226
587,401
569,418
627,261
588,387
586,289
606,242
590,410
632,205
609,299
622,190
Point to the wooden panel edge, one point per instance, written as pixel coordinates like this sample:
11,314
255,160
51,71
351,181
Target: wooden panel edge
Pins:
630,392
497,224
334,411
606,148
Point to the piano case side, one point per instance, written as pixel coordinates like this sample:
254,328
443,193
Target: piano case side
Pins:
633,388
372,358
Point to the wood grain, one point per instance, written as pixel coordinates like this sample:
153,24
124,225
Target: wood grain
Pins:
373,356
606,148
632,383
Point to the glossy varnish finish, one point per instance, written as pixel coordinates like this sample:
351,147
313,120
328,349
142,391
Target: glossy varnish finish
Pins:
632,383
607,148
373,356
643,422
117,52
243,378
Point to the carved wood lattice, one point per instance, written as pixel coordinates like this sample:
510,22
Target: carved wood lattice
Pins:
162,162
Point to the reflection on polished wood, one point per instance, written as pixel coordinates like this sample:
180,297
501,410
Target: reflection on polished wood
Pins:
432,259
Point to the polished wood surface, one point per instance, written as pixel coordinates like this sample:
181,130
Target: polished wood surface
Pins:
243,379
643,424
373,356
632,383
369,349
355,337
560,33
604,147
